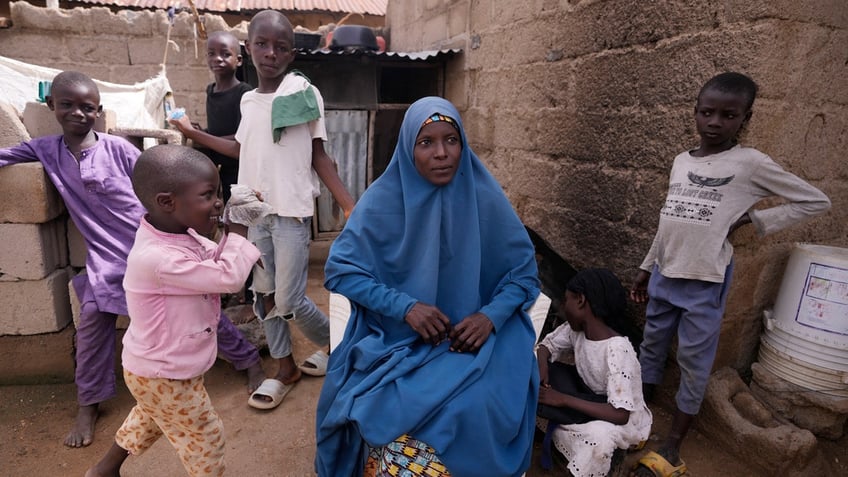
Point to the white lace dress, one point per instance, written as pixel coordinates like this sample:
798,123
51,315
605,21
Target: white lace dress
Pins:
607,367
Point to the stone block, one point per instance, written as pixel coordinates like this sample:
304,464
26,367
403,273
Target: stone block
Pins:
129,74
77,250
831,13
822,414
33,46
740,423
99,50
593,134
40,121
188,79
435,31
458,22
138,136
32,251
27,196
35,306
12,130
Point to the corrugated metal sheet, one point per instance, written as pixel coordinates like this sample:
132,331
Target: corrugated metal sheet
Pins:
347,134
365,7
401,55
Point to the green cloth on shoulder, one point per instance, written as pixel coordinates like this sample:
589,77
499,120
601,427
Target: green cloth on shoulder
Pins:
293,108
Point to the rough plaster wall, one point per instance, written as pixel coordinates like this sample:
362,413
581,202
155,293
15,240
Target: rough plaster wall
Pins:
124,47
578,108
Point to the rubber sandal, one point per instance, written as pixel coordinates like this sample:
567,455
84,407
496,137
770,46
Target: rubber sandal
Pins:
637,447
272,388
660,466
318,360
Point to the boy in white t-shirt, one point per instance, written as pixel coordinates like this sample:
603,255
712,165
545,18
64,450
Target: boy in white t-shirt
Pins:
280,145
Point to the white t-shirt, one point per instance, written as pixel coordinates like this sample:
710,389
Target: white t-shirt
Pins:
706,195
282,172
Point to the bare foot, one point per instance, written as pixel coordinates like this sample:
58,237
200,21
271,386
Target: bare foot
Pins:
255,376
82,433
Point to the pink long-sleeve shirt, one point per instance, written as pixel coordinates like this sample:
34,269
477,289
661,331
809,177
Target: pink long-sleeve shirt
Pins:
173,285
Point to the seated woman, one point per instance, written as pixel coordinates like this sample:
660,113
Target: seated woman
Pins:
435,373
600,402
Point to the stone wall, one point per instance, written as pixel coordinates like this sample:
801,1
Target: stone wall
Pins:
124,47
128,46
578,108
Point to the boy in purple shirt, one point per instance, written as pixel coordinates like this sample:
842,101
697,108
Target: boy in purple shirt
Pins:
92,173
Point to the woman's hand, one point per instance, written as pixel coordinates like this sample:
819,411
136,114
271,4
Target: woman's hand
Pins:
639,290
470,334
429,322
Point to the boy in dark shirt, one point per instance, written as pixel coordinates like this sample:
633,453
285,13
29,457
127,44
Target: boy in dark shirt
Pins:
223,97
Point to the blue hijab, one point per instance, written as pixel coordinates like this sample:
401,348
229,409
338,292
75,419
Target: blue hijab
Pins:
462,248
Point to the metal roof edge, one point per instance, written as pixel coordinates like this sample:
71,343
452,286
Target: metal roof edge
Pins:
413,55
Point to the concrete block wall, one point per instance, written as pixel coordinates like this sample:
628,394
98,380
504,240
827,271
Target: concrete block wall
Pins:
124,47
32,307
579,107
128,46
33,250
28,196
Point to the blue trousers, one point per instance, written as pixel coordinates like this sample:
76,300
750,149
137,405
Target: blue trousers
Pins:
284,245
693,310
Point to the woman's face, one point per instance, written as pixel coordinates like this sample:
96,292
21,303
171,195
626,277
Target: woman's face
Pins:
438,148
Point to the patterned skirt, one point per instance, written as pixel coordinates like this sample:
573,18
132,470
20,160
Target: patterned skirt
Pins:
404,457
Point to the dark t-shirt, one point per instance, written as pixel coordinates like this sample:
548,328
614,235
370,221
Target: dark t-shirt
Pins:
223,114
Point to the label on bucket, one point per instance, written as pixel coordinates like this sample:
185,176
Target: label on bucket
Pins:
824,305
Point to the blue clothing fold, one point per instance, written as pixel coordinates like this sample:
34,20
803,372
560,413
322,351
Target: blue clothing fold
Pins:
462,248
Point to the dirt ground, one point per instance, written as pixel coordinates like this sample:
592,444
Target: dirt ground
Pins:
34,420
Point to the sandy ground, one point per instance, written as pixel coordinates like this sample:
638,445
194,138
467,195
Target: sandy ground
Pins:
34,420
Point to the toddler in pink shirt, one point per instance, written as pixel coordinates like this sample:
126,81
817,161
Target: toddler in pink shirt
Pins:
173,282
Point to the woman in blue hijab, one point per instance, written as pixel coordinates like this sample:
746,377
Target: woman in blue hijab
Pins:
436,372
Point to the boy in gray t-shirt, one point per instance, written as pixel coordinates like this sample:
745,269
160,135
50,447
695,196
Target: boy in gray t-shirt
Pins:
686,274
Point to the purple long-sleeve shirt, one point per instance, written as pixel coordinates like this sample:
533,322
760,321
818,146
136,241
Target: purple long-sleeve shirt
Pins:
99,197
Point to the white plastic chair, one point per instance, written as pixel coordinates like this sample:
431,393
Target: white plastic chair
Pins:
340,312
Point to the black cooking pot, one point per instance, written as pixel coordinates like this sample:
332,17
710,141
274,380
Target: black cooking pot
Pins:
353,37
306,41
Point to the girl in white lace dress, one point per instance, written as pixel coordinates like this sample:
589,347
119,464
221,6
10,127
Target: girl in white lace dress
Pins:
606,362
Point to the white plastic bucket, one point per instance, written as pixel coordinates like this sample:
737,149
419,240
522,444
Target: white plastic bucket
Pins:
806,336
